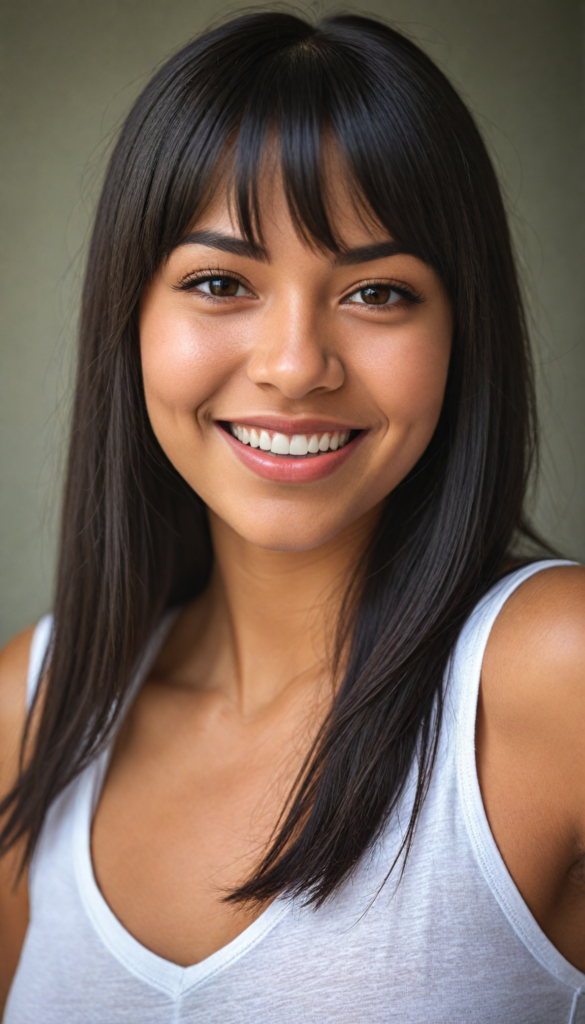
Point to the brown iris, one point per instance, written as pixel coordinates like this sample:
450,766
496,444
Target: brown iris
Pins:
223,286
376,294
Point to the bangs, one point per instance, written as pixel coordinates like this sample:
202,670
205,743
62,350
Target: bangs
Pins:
349,98
318,108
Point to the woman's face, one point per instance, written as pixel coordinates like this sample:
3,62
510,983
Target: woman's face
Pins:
292,390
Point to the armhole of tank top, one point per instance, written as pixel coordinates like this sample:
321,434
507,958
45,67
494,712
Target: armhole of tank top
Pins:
38,649
465,680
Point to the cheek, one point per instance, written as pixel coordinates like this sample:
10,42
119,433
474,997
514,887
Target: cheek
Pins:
406,376
182,364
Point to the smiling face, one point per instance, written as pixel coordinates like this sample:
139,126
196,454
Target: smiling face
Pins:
291,389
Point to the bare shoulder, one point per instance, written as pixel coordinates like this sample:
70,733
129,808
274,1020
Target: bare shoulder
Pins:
533,677
14,658
539,634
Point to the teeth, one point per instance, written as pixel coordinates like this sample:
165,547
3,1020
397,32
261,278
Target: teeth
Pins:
297,445
280,445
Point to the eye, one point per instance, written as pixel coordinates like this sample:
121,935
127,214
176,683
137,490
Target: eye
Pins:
376,295
220,286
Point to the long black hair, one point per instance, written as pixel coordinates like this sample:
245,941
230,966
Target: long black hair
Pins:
135,538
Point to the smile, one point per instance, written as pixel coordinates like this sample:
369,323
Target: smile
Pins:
296,446
288,456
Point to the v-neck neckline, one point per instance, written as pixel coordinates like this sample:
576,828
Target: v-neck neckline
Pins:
165,975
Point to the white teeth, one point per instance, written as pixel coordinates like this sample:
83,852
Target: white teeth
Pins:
280,445
298,445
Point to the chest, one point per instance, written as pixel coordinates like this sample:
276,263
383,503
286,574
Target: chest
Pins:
434,947
188,807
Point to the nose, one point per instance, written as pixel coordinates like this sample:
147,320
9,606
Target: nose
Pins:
293,354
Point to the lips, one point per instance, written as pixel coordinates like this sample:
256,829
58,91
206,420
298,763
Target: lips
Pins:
307,451
296,445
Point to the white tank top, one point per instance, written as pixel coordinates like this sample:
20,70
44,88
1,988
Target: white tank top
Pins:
451,943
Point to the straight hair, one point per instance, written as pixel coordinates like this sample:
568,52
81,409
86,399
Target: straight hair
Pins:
135,538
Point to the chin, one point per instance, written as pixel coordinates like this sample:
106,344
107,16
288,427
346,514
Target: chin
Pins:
282,532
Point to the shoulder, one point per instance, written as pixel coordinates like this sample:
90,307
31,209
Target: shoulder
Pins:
539,631
533,676
14,660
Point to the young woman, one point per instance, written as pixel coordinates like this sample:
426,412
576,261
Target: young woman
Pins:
304,738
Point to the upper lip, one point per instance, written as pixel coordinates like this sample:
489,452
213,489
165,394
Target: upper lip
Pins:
291,425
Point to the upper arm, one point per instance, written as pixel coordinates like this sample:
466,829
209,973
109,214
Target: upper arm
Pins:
533,685
13,900
531,749
14,659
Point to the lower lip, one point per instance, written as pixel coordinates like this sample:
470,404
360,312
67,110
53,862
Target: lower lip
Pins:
291,470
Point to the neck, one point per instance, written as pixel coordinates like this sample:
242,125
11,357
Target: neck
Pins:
270,616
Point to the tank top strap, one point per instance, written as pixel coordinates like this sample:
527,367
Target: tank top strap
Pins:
42,638
466,661
38,649
461,698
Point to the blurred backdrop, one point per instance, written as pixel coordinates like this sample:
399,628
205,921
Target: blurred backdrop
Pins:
71,68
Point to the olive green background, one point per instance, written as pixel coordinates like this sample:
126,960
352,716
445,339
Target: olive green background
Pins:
70,69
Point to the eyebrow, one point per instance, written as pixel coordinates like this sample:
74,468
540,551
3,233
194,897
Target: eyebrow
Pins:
242,247
226,243
368,253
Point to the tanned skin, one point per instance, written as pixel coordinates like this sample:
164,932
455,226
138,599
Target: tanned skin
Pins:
214,740
530,762
13,895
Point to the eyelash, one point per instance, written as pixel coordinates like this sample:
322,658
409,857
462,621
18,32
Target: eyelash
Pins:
406,293
190,283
